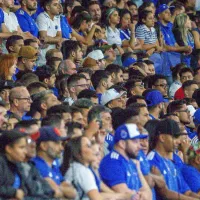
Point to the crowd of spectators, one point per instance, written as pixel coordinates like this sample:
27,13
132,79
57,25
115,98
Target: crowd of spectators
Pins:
100,99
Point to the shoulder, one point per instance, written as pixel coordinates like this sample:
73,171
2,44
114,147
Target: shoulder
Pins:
20,12
152,155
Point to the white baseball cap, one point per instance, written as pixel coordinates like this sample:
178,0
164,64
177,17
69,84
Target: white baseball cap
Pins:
110,95
96,55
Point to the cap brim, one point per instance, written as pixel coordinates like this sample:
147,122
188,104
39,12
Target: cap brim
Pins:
141,136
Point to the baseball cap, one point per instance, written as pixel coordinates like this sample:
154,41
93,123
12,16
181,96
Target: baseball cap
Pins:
96,55
168,126
48,133
129,61
193,150
28,52
161,8
196,117
154,97
127,132
8,137
110,95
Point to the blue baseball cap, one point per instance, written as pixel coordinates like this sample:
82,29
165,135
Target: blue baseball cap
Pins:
128,132
196,117
161,8
154,97
129,61
48,133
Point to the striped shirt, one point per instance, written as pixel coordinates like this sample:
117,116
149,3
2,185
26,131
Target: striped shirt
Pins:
148,35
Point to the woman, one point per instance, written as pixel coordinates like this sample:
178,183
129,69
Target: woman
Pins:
13,146
8,66
78,153
183,36
147,36
127,30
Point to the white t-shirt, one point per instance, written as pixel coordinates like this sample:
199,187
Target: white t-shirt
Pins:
45,23
113,36
82,179
11,21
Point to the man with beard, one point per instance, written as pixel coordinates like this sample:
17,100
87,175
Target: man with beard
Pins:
155,103
95,11
179,108
49,148
26,22
128,178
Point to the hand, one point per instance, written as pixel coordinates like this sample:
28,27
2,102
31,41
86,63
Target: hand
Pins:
96,26
185,144
19,194
132,28
158,178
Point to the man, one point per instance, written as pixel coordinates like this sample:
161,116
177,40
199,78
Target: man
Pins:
101,81
49,27
155,103
84,105
129,178
76,83
26,22
20,102
89,94
116,73
36,87
26,60
49,149
143,112
72,50
14,44
109,52
95,11
159,83
167,140
185,75
179,108
42,101
173,50
134,87
77,115
189,87
136,99
112,99
67,67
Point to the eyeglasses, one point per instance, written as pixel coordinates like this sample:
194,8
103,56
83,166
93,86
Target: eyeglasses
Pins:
28,99
163,85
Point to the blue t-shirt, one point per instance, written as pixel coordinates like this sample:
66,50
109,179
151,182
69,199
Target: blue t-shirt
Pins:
192,177
144,163
65,27
49,172
167,169
26,22
167,34
115,169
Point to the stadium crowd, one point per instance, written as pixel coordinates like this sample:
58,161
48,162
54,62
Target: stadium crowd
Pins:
100,99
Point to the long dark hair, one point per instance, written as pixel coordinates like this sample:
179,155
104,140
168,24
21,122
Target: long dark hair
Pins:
124,12
71,152
143,15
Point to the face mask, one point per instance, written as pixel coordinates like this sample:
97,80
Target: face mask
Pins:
197,5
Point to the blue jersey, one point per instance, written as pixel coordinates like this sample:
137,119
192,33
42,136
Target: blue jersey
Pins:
192,177
125,34
144,163
48,172
115,169
167,169
65,27
110,141
26,22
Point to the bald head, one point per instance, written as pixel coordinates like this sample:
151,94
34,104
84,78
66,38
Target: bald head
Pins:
67,67
18,92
